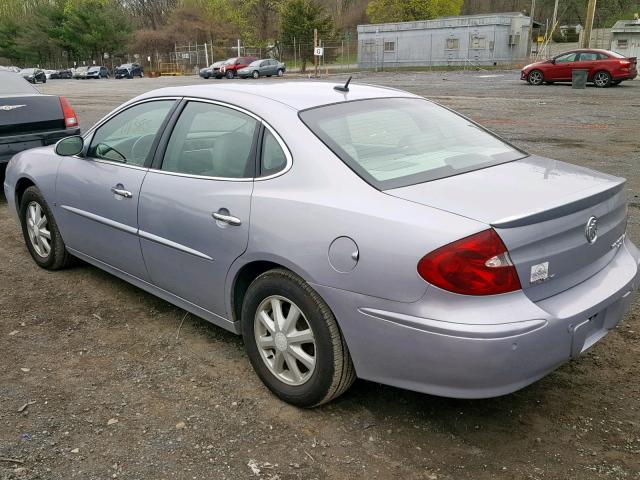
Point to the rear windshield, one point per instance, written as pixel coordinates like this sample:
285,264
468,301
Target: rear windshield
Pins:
395,142
13,83
616,54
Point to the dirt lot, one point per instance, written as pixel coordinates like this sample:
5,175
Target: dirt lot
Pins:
121,391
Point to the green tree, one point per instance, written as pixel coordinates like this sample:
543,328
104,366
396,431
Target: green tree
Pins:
381,11
298,19
91,28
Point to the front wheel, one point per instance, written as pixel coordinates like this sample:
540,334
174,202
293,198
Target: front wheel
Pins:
40,231
535,77
602,79
229,74
293,340
255,74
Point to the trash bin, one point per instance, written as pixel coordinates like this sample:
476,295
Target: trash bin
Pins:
579,78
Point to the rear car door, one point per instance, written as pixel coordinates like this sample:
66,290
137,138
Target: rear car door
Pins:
195,202
588,61
98,193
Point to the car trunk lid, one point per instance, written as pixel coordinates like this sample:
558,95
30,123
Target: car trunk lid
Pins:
20,114
540,208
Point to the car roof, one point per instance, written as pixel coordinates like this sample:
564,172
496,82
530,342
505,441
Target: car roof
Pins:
299,95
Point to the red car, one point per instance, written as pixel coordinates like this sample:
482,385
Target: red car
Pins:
605,68
230,68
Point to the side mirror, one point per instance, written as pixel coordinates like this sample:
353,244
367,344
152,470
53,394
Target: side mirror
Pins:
553,60
70,146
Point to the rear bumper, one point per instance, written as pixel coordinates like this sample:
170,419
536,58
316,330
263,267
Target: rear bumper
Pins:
9,146
468,347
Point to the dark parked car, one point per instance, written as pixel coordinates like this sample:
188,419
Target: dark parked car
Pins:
33,75
129,70
263,68
211,71
62,74
230,67
605,68
29,119
97,72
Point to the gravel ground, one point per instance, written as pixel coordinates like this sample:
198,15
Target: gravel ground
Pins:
119,384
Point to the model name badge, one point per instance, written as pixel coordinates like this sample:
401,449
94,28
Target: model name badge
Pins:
539,272
618,243
8,108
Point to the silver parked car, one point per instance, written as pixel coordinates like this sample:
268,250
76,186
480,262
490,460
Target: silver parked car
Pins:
267,67
349,231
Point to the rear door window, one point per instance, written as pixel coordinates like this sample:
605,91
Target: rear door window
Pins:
212,140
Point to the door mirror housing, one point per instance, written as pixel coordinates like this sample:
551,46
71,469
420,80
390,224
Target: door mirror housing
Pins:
553,60
70,146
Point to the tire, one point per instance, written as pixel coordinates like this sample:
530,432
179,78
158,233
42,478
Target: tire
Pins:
255,74
229,74
280,72
44,80
602,79
332,371
535,77
57,257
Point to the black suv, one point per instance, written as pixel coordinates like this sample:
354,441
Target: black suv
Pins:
129,70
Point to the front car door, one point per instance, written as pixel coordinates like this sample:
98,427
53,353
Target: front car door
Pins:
195,202
564,64
98,193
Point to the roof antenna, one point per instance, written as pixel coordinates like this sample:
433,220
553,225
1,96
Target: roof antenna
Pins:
340,88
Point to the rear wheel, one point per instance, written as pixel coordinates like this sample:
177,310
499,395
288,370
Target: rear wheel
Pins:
293,340
280,72
602,79
40,231
535,77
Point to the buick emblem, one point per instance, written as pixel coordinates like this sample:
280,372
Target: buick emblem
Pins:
591,230
7,108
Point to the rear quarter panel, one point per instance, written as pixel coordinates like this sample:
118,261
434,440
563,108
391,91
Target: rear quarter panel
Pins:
295,217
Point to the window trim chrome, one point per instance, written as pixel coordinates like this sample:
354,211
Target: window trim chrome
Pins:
260,120
89,135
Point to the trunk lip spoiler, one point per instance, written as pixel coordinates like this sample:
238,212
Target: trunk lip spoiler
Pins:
600,194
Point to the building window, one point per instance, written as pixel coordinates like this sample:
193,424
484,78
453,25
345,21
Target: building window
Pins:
453,43
622,43
479,43
389,46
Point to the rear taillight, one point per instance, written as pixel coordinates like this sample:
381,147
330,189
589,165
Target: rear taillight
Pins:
70,117
475,265
625,63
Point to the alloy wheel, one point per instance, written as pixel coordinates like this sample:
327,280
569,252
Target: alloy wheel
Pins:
38,229
535,77
601,79
285,340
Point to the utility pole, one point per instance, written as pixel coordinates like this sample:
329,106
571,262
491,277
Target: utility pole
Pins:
315,44
555,19
530,41
591,11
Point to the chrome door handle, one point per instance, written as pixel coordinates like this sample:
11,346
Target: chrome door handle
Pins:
121,191
230,219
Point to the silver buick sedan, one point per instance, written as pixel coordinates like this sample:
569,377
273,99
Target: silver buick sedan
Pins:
344,232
